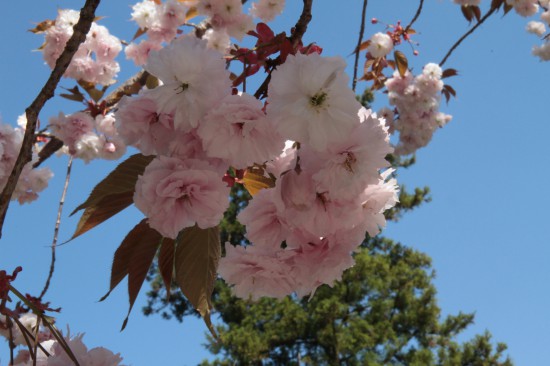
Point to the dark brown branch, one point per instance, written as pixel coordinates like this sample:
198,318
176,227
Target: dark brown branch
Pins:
129,87
296,37
56,228
87,15
457,43
415,18
359,41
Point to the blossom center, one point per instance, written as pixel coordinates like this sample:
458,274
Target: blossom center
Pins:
318,99
181,88
350,161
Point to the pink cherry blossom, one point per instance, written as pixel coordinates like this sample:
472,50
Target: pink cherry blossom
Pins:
238,131
175,194
311,102
194,78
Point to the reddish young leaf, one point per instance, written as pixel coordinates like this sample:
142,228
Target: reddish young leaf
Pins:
196,263
467,12
43,26
122,179
103,210
139,33
401,62
166,263
112,195
447,73
477,12
254,181
133,259
191,13
450,89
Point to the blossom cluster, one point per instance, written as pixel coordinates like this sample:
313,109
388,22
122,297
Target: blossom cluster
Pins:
56,354
94,61
328,188
416,100
225,18
32,181
88,138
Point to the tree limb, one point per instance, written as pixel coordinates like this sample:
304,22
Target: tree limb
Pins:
87,15
359,41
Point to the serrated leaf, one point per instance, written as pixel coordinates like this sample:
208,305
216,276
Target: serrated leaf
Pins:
102,210
196,263
447,73
122,179
112,195
75,94
450,89
191,13
133,259
139,33
43,26
477,12
166,263
363,46
496,4
254,181
467,12
401,62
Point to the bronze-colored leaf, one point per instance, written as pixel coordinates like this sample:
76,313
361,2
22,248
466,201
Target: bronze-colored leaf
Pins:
139,33
196,262
122,179
254,181
133,259
401,62
191,13
166,263
450,89
507,8
75,94
43,26
447,73
363,46
152,82
103,210
92,91
496,4
467,12
477,12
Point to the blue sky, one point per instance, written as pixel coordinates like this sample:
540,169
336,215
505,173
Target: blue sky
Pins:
486,228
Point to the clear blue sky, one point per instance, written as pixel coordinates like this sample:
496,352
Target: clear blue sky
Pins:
486,228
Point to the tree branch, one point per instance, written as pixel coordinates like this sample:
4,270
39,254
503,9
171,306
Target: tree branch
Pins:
57,225
415,18
129,87
295,38
457,43
87,15
359,41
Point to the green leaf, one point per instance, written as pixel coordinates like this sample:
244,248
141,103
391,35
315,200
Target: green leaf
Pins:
133,259
166,263
112,195
401,62
196,262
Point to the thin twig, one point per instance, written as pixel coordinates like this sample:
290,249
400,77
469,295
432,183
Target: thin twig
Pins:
57,225
415,18
359,41
131,86
457,43
299,30
87,15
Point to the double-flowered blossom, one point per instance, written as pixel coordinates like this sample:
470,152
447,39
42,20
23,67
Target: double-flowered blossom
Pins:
175,194
417,102
88,138
328,189
194,79
310,101
31,181
380,45
238,131
94,61
267,10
